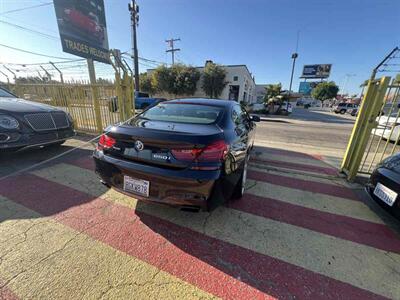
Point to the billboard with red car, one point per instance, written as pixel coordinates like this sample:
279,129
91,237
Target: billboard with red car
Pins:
82,27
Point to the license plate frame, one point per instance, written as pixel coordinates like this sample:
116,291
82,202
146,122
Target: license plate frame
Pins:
385,194
136,186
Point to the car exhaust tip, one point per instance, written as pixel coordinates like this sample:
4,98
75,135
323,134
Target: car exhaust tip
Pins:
193,209
105,183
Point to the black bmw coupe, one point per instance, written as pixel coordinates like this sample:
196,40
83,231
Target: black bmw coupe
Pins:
190,153
25,124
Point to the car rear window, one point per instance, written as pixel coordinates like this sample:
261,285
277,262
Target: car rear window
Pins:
342,104
183,113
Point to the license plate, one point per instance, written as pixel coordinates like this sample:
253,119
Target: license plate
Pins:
385,194
136,186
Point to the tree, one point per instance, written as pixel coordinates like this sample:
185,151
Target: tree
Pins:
325,90
213,82
177,80
146,83
104,81
272,91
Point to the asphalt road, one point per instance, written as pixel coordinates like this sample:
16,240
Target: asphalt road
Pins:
320,132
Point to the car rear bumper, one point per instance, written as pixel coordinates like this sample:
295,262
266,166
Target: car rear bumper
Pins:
183,188
389,179
18,140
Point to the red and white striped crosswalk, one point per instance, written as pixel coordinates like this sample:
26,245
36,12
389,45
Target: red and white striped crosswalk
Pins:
294,234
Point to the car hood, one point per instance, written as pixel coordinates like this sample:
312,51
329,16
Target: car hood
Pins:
18,105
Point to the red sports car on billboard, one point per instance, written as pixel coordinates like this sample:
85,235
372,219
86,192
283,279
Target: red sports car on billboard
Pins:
88,24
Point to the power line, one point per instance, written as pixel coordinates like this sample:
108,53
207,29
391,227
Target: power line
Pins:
30,30
43,63
34,53
25,8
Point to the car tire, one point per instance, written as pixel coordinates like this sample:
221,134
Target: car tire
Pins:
241,185
343,111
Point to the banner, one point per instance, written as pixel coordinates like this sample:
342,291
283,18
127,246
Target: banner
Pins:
82,27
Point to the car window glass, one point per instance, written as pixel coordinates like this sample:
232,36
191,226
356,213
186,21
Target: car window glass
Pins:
183,113
4,93
237,115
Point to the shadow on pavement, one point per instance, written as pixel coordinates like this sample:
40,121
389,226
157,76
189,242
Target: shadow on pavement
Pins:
19,186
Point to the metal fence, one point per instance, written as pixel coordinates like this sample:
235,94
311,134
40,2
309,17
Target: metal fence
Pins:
376,132
92,106
385,135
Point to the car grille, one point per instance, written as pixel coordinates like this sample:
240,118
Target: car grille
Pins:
47,121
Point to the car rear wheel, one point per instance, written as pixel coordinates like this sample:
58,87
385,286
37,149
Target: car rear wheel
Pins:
343,111
241,185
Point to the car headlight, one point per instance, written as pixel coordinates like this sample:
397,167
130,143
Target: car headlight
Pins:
8,122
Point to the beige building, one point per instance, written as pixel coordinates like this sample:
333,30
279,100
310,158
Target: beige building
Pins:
240,87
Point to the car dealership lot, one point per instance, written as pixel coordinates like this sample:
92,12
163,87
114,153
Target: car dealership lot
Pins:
299,231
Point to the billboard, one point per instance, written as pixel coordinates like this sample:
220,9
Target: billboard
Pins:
316,71
82,27
306,88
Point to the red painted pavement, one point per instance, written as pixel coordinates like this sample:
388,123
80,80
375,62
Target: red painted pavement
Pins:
359,231
288,153
6,293
296,166
300,184
223,269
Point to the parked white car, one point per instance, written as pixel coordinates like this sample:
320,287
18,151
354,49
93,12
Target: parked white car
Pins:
385,125
343,108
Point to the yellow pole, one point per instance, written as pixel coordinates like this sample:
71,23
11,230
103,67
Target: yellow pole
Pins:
95,98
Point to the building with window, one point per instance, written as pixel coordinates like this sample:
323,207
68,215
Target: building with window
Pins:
240,85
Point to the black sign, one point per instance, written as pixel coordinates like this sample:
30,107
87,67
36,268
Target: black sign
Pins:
82,27
316,71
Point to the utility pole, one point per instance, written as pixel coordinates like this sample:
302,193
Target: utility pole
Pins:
347,76
58,70
134,10
172,50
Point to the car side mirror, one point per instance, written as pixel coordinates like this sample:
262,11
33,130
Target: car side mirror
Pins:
255,118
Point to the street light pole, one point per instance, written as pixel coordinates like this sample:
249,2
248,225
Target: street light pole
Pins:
134,9
294,56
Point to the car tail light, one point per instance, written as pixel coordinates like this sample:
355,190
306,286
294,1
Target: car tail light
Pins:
211,153
105,142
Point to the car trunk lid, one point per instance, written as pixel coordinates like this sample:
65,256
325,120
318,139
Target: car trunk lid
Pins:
155,142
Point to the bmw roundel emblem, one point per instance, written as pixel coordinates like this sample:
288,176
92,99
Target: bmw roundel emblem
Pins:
139,145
